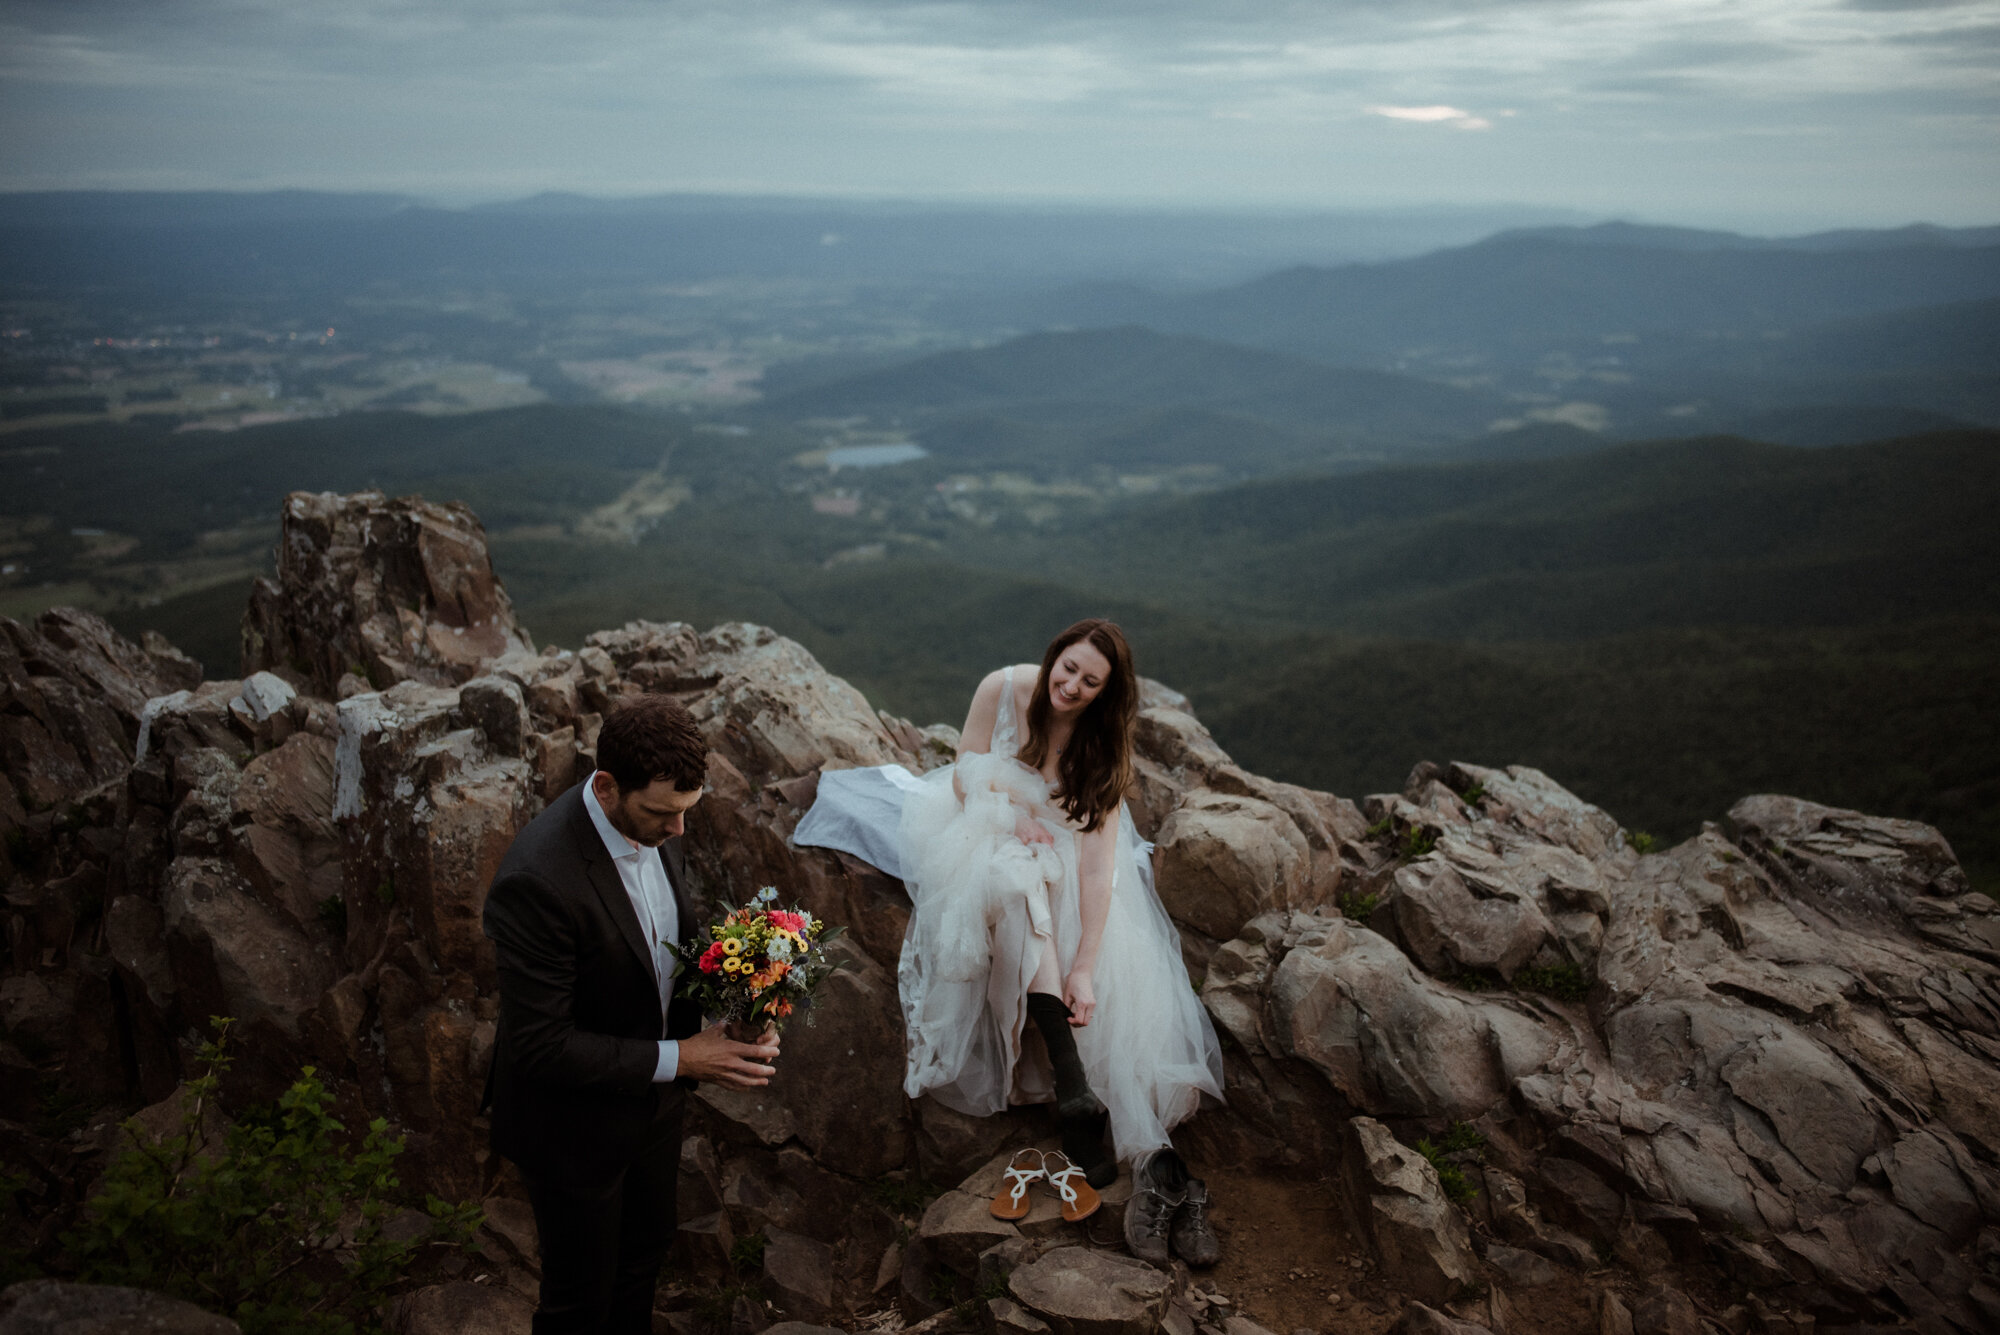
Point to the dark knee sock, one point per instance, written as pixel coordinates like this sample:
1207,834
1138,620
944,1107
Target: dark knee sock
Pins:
1073,1094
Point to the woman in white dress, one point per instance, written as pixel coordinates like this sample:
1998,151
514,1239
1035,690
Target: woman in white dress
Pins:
1033,905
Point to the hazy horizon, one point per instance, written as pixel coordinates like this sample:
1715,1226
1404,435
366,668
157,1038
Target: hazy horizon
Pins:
1777,117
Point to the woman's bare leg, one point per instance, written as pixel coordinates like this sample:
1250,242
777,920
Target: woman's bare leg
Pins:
1048,975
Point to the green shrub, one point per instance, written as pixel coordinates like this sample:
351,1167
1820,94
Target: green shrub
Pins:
1356,908
1641,842
1455,1181
1417,841
1474,795
905,1196
1461,1137
1379,828
747,1253
1564,982
15,1230
715,1310
280,1227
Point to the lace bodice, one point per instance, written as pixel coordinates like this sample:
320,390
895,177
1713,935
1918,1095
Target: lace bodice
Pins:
1006,724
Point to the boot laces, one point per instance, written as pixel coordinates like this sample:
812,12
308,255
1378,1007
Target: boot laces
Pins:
1194,1213
1156,1208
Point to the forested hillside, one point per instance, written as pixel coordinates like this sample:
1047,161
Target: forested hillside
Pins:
1666,625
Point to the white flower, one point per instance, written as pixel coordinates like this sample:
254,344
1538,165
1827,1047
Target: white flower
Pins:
780,949
767,894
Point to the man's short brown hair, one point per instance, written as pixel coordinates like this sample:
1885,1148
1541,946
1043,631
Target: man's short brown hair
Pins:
649,737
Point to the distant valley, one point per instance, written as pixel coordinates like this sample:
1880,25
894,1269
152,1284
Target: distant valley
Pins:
1674,515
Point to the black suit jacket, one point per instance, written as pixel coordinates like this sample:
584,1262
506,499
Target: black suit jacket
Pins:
571,1085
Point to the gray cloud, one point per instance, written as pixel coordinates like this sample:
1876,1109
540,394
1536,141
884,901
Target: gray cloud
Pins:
1215,101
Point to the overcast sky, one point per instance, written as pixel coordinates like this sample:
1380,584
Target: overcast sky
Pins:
1766,114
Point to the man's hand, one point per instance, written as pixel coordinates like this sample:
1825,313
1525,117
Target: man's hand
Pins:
713,1055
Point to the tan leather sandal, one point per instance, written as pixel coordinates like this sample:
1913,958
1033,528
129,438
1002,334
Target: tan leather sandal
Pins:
1023,1171
1079,1199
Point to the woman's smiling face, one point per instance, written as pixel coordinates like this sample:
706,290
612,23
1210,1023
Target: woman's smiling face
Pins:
1077,678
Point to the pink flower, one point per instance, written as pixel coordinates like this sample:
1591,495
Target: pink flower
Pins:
788,922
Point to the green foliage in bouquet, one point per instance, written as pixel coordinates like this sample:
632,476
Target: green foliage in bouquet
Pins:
281,1227
760,963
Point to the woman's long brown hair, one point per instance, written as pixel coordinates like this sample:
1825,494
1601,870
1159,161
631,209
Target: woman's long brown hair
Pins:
1095,769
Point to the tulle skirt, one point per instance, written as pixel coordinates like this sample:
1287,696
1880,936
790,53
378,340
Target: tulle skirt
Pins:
985,907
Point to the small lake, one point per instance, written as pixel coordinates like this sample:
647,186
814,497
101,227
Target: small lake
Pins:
873,456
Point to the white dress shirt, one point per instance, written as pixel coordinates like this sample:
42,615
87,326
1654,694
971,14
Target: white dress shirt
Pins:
645,880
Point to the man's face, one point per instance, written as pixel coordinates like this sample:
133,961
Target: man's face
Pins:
650,815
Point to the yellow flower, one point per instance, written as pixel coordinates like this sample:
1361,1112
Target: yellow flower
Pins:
732,946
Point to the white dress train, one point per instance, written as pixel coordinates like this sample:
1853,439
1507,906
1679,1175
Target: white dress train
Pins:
984,904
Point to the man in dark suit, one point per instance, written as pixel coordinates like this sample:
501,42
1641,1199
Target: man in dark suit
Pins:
596,1049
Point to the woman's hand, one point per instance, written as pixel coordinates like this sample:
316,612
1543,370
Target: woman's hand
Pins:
1080,996
1031,831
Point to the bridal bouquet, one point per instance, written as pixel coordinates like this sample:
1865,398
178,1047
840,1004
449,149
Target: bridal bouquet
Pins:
760,963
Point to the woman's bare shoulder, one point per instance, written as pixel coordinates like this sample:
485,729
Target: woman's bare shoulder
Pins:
1023,678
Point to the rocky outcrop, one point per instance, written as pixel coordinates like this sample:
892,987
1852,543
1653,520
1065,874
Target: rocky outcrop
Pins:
1522,1048
384,590
72,693
1757,1048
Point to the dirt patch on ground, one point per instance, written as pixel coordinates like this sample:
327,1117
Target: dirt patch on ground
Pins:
1290,1263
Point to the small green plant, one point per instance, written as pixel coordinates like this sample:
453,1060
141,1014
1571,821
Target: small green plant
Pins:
1460,1138
905,1196
1417,841
968,1311
15,1264
1379,828
1474,795
60,1110
1640,842
1357,908
1564,982
333,915
1457,1183
717,1308
280,1227
747,1253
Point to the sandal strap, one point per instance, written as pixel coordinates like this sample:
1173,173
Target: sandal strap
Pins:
1060,1180
1023,1178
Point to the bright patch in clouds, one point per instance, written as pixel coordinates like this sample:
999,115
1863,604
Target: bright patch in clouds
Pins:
1452,116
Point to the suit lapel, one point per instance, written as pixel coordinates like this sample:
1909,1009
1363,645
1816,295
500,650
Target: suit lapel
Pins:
676,864
602,874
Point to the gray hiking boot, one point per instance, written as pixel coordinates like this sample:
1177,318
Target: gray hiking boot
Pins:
1159,1185
1192,1238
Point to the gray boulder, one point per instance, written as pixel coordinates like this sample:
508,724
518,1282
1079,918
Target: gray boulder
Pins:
53,1307
1082,1292
1396,1201
460,1308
